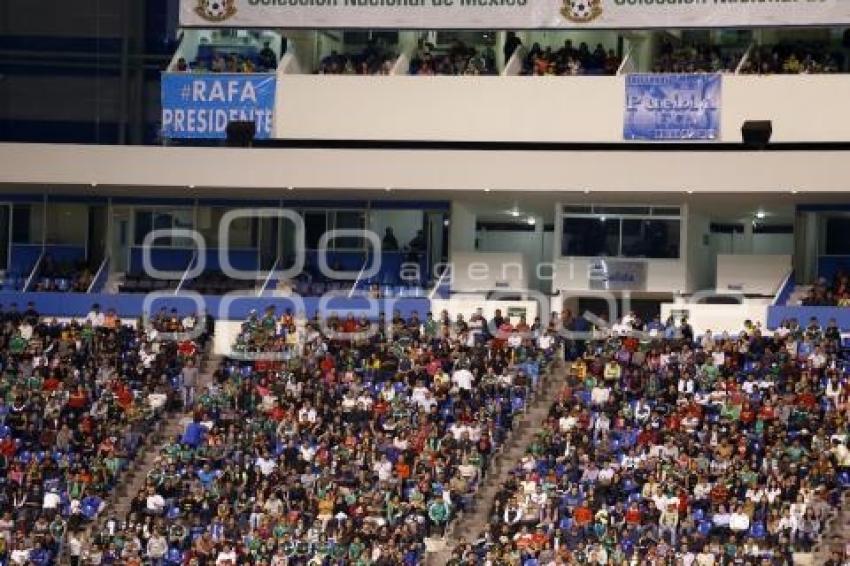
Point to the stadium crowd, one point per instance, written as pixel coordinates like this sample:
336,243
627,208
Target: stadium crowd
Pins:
666,448
695,58
373,60
67,276
829,294
322,441
459,59
792,59
570,61
78,399
218,59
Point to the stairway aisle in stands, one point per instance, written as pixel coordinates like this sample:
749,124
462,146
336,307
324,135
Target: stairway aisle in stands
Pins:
172,425
835,538
471,524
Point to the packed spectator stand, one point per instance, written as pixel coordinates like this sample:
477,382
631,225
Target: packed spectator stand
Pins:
322,442
829,294
793,59
64,276
372,60
569,60
79,399
230,59
695,58
666,448
459,59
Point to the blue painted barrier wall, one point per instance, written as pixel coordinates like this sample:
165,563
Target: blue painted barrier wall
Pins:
177,259
62,253
775,315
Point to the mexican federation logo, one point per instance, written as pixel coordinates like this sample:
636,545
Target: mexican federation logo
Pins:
582,11
216,10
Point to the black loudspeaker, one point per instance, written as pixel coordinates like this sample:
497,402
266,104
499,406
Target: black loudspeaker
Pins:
241,133
756,133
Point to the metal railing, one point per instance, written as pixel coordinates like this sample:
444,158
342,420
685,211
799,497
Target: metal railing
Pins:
103,269
189,268
264,287
34,272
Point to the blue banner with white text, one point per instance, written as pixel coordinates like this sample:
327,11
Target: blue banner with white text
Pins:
201,106
662,107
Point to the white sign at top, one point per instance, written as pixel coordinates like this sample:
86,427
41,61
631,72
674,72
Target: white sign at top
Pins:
511,14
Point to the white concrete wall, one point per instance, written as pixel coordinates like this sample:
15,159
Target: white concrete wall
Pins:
225,336
467,306
462,228
535,247
662,275
545,109
127,168
752,274
720,318
698,251
479,271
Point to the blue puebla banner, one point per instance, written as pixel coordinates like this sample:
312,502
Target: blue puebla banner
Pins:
201,106
672,107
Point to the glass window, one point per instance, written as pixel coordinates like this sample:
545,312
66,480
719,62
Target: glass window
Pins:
605,236
657,239
837,242
349,220
21,223
149,220
666,211
591,237
315,224
622,210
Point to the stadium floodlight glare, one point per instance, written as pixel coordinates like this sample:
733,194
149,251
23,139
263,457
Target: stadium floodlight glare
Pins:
515,213
761,214
531,221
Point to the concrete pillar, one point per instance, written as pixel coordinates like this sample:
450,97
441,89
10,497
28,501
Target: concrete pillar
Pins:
303,44
462,228
806,246
746,240
408,42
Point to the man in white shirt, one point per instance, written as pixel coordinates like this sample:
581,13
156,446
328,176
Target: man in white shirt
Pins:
95,316
51,502
426,402
739,522
267,465
227,557
462,378
842,454
155,503
545,341
384,469
157,548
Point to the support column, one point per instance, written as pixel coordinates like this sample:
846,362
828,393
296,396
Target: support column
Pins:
462,228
